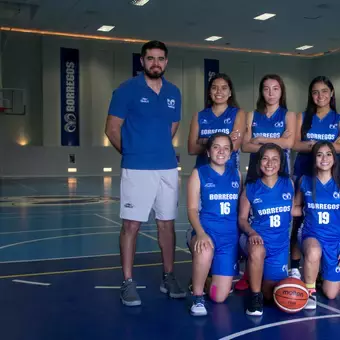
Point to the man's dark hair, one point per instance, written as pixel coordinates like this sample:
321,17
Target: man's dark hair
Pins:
154,44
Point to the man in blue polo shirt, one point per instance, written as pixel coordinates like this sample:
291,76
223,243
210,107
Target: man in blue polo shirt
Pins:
143,118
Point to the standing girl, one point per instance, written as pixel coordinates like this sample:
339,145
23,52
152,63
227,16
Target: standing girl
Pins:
319,122
222,114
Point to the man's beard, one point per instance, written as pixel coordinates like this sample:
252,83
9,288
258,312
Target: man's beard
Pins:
152,75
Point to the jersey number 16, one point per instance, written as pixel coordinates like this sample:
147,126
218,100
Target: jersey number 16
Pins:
225,208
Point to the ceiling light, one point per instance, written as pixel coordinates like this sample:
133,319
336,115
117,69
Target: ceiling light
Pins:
304,47
213,38
105,28
139,2
265,16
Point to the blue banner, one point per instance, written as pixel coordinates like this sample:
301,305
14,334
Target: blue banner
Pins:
69,95
137,67
211,67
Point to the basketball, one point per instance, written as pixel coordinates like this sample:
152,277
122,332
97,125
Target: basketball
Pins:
291,295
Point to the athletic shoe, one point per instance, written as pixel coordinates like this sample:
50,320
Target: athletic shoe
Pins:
311,304
295,273
171,286
128,293
198,306
255,307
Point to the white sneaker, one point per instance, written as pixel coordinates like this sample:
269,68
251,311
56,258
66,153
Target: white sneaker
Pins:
295,273
311,304
198,307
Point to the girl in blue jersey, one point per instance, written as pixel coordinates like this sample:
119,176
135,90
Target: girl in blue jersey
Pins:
266,234
214,243
271,122
221,114
319,194
319,122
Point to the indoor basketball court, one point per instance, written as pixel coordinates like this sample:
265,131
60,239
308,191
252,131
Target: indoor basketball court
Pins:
61,274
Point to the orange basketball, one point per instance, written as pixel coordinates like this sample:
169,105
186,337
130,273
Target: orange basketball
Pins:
291,295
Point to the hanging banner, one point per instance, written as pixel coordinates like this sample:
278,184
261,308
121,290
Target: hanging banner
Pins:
137,67
211,67
69,93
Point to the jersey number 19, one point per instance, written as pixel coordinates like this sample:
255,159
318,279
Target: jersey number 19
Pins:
323,217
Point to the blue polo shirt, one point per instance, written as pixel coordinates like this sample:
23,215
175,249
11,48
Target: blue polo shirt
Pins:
148,117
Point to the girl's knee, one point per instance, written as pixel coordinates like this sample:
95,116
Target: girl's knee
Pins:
256,252
331,294
217,294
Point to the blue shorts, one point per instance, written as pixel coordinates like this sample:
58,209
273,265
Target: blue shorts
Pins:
275,267
225,260
330,264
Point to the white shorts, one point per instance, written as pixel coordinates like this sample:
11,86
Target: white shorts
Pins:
144,190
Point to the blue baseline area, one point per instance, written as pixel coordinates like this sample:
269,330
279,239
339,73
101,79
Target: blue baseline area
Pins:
35,239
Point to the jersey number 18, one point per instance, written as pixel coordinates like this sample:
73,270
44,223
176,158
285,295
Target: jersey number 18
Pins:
275,221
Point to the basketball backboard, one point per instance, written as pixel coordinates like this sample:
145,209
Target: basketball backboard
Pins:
12,101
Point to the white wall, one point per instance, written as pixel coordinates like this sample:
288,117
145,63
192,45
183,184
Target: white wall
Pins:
32,62
329,66
21,68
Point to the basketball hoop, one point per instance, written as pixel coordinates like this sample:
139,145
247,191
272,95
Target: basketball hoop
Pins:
2,109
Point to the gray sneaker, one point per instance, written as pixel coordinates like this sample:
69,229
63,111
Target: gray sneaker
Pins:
128,294
312,300
170,286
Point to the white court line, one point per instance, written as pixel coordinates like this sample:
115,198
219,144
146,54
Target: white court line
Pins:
54,209
79,257
58,229
76,228
146,235
116,287
68,236
55,238
154,224
32,283
108,219
64,214
156,239
280,323
330,308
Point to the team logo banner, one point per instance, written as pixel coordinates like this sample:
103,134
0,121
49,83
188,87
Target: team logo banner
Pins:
137,67
69,81
211,67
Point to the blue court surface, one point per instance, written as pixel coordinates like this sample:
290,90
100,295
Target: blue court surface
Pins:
60,274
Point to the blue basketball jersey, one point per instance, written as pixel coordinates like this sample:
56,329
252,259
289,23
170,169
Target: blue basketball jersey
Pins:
271,211
210,124
322,217
326,129
219,200
272,127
